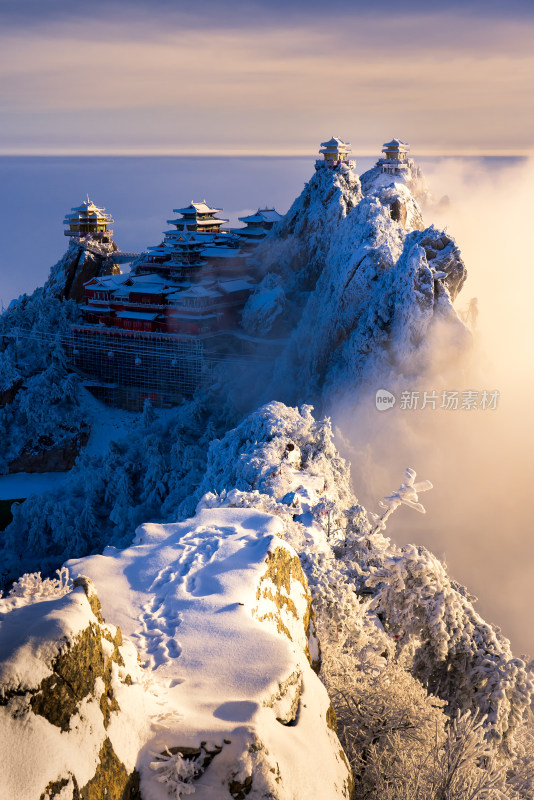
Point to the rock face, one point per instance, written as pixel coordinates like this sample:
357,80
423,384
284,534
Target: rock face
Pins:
298,246
43,456
83,260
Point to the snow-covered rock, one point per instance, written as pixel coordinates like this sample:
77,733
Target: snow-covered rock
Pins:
412,178
83,260
265,307
72,703
297,247
219,610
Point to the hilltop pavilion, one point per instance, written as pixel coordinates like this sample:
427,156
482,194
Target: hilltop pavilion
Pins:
395,160
88,220
335,152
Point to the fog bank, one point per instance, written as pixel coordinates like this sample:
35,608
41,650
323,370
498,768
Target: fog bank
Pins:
480,461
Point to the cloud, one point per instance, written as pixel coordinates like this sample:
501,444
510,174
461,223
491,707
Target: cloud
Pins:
237,14
479,513
252,80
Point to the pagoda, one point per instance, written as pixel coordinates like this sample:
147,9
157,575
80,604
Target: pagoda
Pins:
198,218
178,257
186,258
88,220
395,160
257,225
335,152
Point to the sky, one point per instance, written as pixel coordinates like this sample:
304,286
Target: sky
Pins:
255,77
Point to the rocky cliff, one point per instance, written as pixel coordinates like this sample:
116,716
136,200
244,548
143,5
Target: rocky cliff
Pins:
84,259
365,287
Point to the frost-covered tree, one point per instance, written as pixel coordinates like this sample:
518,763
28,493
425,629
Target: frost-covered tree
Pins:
454,653
149,415
122,512
43,404
144,476
155,473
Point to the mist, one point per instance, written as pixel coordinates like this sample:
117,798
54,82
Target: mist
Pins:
479,518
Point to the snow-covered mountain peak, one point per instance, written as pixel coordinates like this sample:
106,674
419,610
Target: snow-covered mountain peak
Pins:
412,177
297,247
364,282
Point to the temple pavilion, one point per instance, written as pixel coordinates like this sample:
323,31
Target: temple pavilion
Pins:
395,159
198,217
185,254
257,225
195,248
88,220
335,152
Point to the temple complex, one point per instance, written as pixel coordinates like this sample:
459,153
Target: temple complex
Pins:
158,330
155,331
88,220
395,160
195,249
335,152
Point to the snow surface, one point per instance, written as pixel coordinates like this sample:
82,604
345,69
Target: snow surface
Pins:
29,637
187,597
25,484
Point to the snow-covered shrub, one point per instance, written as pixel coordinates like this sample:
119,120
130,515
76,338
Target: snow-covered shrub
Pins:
263,452
418,754
45,410
406,494
31,586
520,777
175,772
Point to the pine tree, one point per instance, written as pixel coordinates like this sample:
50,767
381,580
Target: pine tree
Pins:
122,512
149,415
154,478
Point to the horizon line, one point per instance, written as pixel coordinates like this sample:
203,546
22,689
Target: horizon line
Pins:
150,153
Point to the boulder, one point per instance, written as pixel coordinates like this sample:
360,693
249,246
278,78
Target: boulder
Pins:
65,678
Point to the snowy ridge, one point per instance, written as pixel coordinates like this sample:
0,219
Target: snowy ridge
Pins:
188,595
225,702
